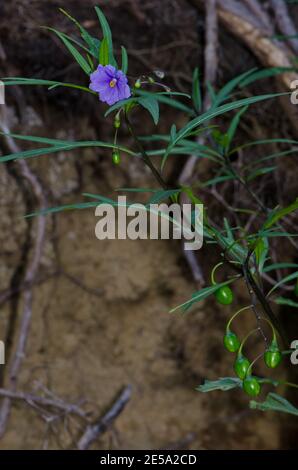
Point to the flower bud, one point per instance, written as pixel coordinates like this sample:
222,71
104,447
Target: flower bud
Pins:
117,122
116,157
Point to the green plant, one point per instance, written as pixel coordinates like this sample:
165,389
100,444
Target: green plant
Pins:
244,249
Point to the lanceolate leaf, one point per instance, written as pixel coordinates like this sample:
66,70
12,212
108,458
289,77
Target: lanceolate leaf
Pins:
261,251
201,294
152,106
50,83
106,34
286,301
226,90
275,266
92,43
278,214
74,52
260,172
104,52
233,127
274,402
284,280
124,56
214,112
260,74
59,146
196,91
224,384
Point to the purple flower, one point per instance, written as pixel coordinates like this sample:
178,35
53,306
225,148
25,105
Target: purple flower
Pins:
111,84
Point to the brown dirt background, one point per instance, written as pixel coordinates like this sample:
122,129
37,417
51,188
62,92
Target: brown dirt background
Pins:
100,318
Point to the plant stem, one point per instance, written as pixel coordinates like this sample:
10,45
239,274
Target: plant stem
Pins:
235,315
144,155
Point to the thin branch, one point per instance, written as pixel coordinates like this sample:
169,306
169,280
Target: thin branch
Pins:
211,65
31,272
285,24
259,12
94,431
31,399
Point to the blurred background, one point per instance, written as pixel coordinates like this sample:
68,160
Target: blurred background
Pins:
98,320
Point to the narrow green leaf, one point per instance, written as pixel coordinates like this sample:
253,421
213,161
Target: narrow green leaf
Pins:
260,74
233,127
64,208
227,89
286,301
201,294
106,34
274,402
60,148
196,91
260,172
284,280
124,56
278,214
92,43
120,104
104,52
261,251
224,384
173,132
167,98
214,112
163,195
152,106
50,83
74,52
275,266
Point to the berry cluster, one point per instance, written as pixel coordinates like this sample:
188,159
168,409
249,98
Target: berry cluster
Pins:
242,366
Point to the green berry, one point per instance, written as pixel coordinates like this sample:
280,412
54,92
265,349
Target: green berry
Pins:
117,122
272,358
251,386
231,342
137,84
241,366
224,295
116,157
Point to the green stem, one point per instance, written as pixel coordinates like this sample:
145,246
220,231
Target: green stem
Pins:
288,384
213,282
252,364
144,155
235,315
245,339
272,328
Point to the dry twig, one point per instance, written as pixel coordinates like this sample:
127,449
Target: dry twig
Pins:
94,431
32,270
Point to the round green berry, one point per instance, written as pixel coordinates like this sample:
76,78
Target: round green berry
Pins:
251,386
117,122
241,366
231,342
224,295
116,157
